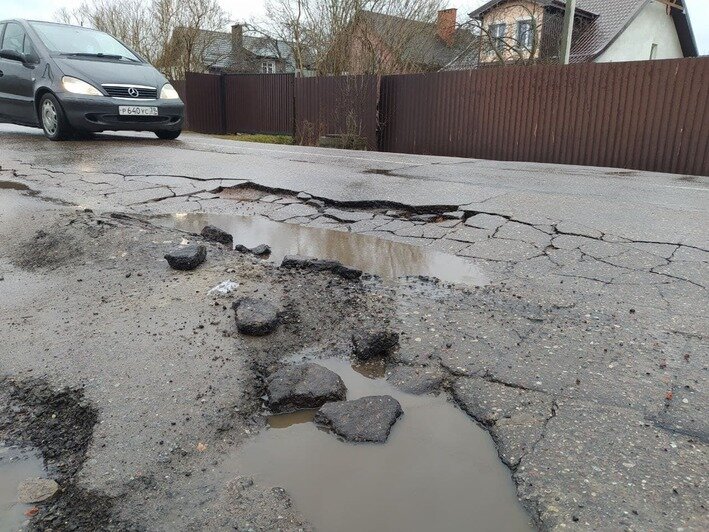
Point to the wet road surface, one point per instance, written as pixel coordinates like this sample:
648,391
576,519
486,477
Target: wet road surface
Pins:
632,204
584,355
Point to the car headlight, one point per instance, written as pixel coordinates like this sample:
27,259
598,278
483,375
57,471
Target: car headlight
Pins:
77,86
168,92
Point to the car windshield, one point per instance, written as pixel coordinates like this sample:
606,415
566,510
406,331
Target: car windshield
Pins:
81,42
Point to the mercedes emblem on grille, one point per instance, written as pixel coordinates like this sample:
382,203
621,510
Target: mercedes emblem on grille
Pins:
133,92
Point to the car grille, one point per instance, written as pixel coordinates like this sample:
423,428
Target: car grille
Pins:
124,91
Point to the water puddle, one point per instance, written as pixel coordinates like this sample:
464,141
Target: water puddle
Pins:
377,256
438,471
15,466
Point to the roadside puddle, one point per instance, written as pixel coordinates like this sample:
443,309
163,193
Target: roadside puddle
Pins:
371,254
438,471
16,465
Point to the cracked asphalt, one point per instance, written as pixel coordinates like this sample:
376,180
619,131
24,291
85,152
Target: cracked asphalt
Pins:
585,358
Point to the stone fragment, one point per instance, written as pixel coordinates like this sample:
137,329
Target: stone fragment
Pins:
260,250
304,386
416,380
215,234
304,196
187,257
368,419
319,265
35,490
373,343
255,317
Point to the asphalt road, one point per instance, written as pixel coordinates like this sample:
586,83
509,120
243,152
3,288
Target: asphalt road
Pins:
631,204
585,356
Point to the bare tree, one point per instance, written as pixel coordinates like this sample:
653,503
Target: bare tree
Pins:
519,33
324,32
175,35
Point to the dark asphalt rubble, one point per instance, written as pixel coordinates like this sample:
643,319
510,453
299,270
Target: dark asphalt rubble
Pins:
367,419
303,386
255,317
187,257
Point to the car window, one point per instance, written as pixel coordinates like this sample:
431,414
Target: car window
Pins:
72,40
14,38
2,28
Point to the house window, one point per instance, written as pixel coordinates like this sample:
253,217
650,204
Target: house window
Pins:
653,51
268,67
497,35
525,34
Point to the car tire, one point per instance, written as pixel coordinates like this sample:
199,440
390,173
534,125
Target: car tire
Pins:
168,135
53,119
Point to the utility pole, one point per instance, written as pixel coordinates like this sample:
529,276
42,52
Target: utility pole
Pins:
567,31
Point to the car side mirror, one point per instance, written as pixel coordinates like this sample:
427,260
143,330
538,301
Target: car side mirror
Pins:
13,55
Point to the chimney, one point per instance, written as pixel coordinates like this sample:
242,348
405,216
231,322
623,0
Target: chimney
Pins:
237,38
445,25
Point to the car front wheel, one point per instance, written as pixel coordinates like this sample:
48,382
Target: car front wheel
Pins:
54,122
168,135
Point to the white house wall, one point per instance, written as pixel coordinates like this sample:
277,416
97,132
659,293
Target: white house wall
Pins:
652,25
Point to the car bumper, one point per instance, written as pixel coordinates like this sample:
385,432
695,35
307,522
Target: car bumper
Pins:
92,113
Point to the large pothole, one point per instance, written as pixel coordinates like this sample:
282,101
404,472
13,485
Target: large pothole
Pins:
377,256
438,470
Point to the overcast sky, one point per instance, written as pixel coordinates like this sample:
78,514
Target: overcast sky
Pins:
243,10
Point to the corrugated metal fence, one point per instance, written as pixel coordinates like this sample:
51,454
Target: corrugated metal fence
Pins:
204,103
647,115
257,103
336,104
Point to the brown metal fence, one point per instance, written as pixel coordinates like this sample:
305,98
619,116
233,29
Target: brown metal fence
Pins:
336,105
259,103
647,115
204,106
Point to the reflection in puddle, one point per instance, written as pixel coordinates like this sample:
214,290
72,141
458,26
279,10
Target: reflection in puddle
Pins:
15,466
370,254
438,471
283,421
372,369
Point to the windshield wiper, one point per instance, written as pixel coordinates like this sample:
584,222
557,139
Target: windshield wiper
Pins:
101,55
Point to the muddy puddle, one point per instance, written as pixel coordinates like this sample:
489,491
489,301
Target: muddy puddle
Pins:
439,471
370,254
15,466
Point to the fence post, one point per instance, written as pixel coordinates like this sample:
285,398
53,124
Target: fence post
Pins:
222,102
294,101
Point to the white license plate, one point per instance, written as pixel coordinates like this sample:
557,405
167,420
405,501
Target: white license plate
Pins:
137,110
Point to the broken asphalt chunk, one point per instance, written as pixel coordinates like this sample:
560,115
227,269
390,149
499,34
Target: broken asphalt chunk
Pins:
36,490
303,386
215,234
319,265
255,317
416,380
368,419
374,343
259,251
187,257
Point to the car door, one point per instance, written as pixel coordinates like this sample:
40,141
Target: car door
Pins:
16,78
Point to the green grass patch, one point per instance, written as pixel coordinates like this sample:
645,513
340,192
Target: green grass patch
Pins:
266,139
